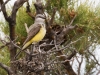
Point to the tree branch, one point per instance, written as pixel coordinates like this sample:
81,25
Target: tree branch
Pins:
94,57
3,9
52,17
28,10
6,68
16,6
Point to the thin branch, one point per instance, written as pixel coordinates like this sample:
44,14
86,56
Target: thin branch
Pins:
4,45
52,17
67,46
98,72
3,9
14,44
6,68
3,4
72,20
16,6
26,27
28,10
80,63
94,57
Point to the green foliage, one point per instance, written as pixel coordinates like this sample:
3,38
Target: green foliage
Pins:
4,58
22,18
4,27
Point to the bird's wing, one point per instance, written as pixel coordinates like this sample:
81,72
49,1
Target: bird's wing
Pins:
32,33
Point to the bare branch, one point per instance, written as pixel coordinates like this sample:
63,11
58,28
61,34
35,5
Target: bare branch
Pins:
29,11
72,20
6,68
3,4
16,6
80,63
14,44
98,72
52,17
94,57
3,9
26,27
4,45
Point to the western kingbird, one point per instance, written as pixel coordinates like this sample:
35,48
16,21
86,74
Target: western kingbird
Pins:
36,32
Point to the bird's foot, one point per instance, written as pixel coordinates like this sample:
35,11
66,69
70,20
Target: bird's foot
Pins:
39,50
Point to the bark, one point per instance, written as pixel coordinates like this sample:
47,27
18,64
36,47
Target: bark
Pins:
12,22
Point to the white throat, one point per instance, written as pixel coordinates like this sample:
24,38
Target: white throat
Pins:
40,20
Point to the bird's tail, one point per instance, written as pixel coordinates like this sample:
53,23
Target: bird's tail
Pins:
26,45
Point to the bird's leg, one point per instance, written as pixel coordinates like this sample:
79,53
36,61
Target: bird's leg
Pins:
32,48
55,38
39,49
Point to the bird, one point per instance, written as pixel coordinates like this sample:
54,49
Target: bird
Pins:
36,31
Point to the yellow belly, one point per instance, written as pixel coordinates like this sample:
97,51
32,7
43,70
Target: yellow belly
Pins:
38,37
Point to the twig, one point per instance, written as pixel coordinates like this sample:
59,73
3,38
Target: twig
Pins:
80,63
14,43
4,45
72,20
66,61
67,45
94,57
5,67
98,72
27,30
29,11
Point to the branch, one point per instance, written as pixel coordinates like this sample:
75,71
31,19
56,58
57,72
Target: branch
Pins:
14,44
72,20
4,45
26,27
5,67
39,7
3,4
64,32
3,9
94,57
29,11
72,55
80,63
98,72
52,17
16,6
